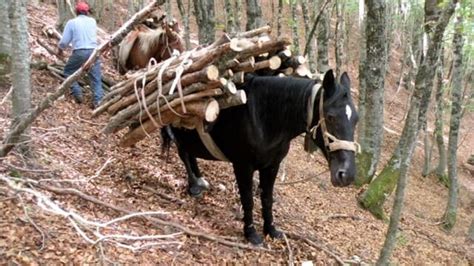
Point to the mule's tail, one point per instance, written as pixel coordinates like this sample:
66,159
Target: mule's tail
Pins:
167,137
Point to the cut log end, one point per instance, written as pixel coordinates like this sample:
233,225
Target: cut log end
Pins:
212,111
212,72
274,62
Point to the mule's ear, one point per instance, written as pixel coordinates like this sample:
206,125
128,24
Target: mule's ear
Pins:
345,80
328,80
329,84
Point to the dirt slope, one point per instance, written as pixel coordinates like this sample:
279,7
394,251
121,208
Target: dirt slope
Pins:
68,145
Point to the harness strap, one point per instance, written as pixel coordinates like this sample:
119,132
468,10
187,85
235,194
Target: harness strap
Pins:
310,105
209,143
335,144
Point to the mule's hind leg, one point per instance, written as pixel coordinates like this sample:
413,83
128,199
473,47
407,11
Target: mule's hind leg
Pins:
267,181
243,174
197,173
196,185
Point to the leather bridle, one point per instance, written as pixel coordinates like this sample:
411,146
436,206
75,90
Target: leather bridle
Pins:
331,142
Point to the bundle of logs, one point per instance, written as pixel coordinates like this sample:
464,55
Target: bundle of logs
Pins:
193,87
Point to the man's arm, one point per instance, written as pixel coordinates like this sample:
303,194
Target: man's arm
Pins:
67,36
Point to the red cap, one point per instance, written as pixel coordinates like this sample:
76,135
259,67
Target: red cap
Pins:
82,7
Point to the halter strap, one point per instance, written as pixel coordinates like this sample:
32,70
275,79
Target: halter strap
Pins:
336,143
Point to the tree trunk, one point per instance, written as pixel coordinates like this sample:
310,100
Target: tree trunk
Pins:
339,37
439,123
307,28
5,40
185,18
204,12
374,73
294,26
362,85
21,94
449,218
238,14
65,13
279,17
374,197
323,37
230,23
254,15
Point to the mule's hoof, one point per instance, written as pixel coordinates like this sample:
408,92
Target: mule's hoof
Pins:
273,233
255,239
195,191
202,183
252,236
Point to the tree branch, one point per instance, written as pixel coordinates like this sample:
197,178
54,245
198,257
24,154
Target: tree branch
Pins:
316,21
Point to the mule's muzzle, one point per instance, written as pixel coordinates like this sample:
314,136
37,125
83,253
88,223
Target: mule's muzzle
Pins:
342,170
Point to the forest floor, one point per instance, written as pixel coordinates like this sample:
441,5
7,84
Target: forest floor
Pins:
68,145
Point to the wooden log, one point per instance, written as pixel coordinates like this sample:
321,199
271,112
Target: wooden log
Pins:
121,119
287,71
272,63
203,108
303,71
238,45
285,54
228,86
234,62
209,73
294,62
238,78
266,47
226,101
251,33
198,63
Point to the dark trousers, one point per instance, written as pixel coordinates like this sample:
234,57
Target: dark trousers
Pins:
77,59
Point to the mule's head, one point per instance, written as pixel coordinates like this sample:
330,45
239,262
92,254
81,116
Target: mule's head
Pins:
335,131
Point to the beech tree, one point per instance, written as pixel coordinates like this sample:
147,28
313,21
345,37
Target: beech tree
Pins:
374,197
21,94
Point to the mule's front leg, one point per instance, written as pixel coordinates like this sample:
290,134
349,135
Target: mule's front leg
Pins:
267,181
243,174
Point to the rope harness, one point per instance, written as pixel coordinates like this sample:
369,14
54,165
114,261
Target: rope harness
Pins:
331,142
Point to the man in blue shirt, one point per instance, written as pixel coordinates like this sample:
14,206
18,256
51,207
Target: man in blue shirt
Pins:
81,33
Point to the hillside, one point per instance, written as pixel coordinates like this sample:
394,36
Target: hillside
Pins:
71,152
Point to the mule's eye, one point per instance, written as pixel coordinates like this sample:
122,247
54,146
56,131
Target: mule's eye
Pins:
331,118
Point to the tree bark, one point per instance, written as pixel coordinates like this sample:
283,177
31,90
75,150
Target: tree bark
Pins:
231,22
294,26
279,17
5,40
185,13
374,74
449,218
65,13
374,197
116,38
362,85
254,15
205,18
307,28
439,122
323,37
21,94
339,36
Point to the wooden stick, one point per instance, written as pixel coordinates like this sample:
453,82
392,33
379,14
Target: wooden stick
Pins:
273,63
196,106
226,101
209,73
251,33
10,140
238,77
